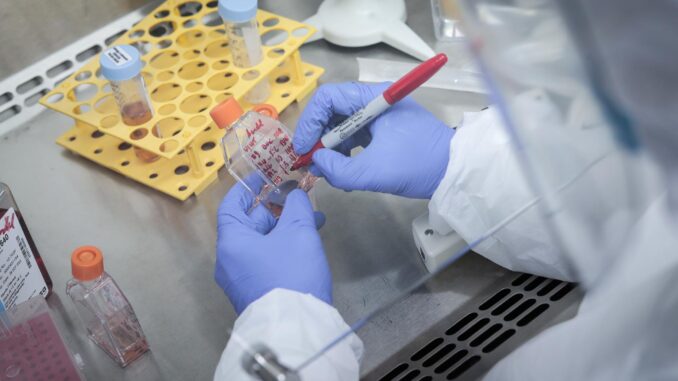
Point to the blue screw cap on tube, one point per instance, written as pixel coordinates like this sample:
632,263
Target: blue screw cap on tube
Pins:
237,10
120,62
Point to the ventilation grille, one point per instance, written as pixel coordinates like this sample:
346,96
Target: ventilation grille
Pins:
486,331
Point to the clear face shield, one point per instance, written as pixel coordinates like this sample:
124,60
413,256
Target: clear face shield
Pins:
579,152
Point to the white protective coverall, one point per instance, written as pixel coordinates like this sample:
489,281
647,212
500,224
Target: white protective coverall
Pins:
626,327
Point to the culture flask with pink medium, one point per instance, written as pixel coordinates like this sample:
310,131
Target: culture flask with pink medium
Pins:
258,153
102,307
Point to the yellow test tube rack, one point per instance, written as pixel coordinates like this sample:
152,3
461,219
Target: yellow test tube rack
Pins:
188,70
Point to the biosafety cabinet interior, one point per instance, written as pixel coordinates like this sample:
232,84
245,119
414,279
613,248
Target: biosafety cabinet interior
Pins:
69,161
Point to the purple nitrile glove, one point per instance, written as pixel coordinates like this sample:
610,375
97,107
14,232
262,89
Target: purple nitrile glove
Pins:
256,253
406,147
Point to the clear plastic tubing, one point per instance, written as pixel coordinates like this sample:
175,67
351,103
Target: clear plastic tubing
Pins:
121,65
108,317
245,43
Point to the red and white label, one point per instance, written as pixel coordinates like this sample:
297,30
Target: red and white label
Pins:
20,277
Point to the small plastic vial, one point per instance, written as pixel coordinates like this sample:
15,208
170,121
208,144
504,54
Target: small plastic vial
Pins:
121,65
22,272
31,346
244,41
103,308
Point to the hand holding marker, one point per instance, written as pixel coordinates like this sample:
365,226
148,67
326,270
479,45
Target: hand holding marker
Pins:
397,91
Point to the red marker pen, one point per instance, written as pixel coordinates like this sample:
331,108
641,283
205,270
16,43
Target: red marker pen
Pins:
397,91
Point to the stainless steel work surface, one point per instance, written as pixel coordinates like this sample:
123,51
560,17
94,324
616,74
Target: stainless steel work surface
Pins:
161,251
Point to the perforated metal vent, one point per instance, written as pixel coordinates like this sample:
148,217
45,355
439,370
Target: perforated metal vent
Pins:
468,342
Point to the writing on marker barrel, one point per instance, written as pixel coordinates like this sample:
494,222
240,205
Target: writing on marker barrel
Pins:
397,91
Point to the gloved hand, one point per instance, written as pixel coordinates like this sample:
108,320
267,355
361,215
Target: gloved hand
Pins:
256,255
406,148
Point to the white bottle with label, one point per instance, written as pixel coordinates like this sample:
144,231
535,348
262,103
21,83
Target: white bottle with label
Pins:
22,271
